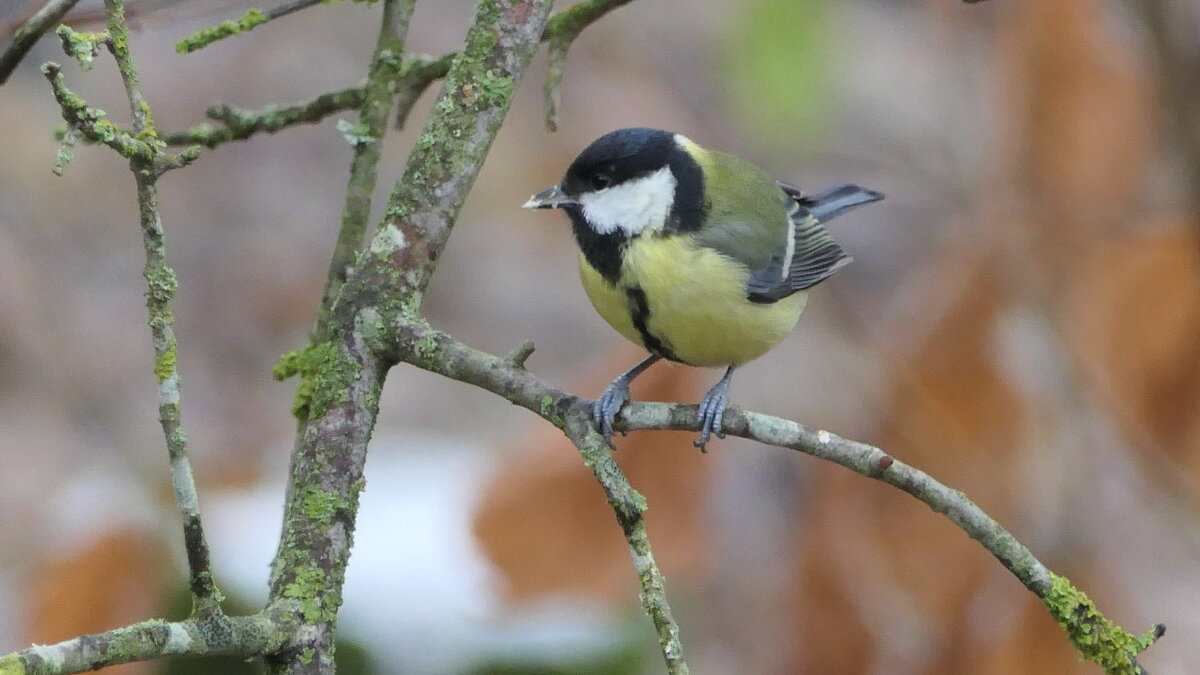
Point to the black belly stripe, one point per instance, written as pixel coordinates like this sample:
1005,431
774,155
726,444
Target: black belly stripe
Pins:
639,309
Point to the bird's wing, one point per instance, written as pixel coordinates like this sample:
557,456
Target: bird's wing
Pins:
813,256
747,218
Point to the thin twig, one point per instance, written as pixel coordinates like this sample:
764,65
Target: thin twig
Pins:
416,74
93,126
161,286
562,30
246,22
288,8
420,72
27,35
238,124
630,507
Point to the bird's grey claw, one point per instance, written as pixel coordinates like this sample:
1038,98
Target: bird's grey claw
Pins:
711,413
605,409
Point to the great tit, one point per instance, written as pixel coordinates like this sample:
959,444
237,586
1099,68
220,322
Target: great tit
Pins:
696,255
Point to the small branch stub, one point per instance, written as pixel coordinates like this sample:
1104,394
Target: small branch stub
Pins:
520,355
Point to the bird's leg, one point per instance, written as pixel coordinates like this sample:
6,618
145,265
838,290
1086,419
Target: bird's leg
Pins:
712,410
616,395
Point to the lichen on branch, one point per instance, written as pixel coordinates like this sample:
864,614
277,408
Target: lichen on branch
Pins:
210,34
1094,635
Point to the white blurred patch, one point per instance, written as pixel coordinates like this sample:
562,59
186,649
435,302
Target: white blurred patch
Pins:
419,593
104,499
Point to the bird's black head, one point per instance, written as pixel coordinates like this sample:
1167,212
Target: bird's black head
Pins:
618,157
627,183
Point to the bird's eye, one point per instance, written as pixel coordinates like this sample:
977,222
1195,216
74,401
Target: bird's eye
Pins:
601,181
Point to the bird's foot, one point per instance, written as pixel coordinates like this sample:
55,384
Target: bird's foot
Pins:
605,408
712,411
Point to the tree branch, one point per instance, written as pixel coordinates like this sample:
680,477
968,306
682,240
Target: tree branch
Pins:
373,115
345,373
28,34
1095,636
213,635
630,507
93,126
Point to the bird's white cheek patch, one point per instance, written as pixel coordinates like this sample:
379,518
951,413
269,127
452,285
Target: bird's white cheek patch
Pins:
633,206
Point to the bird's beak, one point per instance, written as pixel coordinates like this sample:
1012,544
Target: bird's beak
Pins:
551,198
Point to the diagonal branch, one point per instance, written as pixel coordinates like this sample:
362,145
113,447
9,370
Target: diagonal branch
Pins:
27,35
1094,635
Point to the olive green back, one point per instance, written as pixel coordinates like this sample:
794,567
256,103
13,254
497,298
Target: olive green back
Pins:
747,217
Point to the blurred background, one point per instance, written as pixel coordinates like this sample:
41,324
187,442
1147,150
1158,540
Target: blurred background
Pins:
1022,321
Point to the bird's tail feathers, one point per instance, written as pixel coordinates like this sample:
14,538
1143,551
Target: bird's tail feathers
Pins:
834,201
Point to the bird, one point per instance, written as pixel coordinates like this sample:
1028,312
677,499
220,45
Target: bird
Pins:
698,256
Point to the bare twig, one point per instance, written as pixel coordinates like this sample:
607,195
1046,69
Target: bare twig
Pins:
630,507
562,30
27,35
419,74
93,126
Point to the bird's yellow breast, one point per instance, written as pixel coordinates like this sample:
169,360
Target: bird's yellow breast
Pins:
690,300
